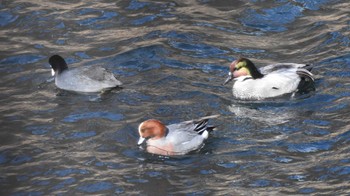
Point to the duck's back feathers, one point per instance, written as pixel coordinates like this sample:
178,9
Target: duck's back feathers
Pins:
303,70
280,67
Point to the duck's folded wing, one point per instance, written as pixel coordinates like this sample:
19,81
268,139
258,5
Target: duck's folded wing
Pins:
282,66
196,126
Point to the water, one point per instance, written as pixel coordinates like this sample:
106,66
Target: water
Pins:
172,57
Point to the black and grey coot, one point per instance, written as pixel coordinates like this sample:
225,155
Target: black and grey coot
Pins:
82,79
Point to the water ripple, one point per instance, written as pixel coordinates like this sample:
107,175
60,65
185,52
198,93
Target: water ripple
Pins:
199,50
310,147
312,5
105,15
273,19
22,59
6,18
89,115
63,184
95,187
137,5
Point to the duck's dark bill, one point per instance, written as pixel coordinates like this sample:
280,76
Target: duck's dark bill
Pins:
228,79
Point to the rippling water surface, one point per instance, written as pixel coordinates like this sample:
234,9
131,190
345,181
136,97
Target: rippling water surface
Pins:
172,57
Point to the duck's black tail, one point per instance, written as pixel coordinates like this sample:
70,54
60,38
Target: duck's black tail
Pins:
307,82
202,124
306,74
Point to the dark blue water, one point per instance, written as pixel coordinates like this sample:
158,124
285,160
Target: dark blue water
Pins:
172,57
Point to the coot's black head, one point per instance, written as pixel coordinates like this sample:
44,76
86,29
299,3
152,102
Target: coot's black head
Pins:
58,64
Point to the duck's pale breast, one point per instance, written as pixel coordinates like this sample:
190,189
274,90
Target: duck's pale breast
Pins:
271,85
166,149
176,143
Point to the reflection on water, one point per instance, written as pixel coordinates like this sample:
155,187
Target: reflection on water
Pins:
270,116
172,58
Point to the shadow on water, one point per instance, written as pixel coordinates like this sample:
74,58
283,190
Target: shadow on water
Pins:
172,58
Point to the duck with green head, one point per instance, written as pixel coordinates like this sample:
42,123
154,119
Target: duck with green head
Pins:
270,81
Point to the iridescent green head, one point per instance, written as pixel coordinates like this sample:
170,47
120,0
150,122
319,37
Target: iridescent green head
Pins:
243,67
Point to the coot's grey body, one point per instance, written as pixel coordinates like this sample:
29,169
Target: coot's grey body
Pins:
82,79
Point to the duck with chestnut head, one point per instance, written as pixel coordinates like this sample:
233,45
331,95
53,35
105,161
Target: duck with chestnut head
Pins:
175,139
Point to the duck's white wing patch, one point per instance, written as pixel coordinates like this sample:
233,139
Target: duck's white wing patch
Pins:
205,134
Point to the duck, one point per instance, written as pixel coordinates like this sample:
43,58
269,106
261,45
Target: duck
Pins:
175,139
82,79
270,81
